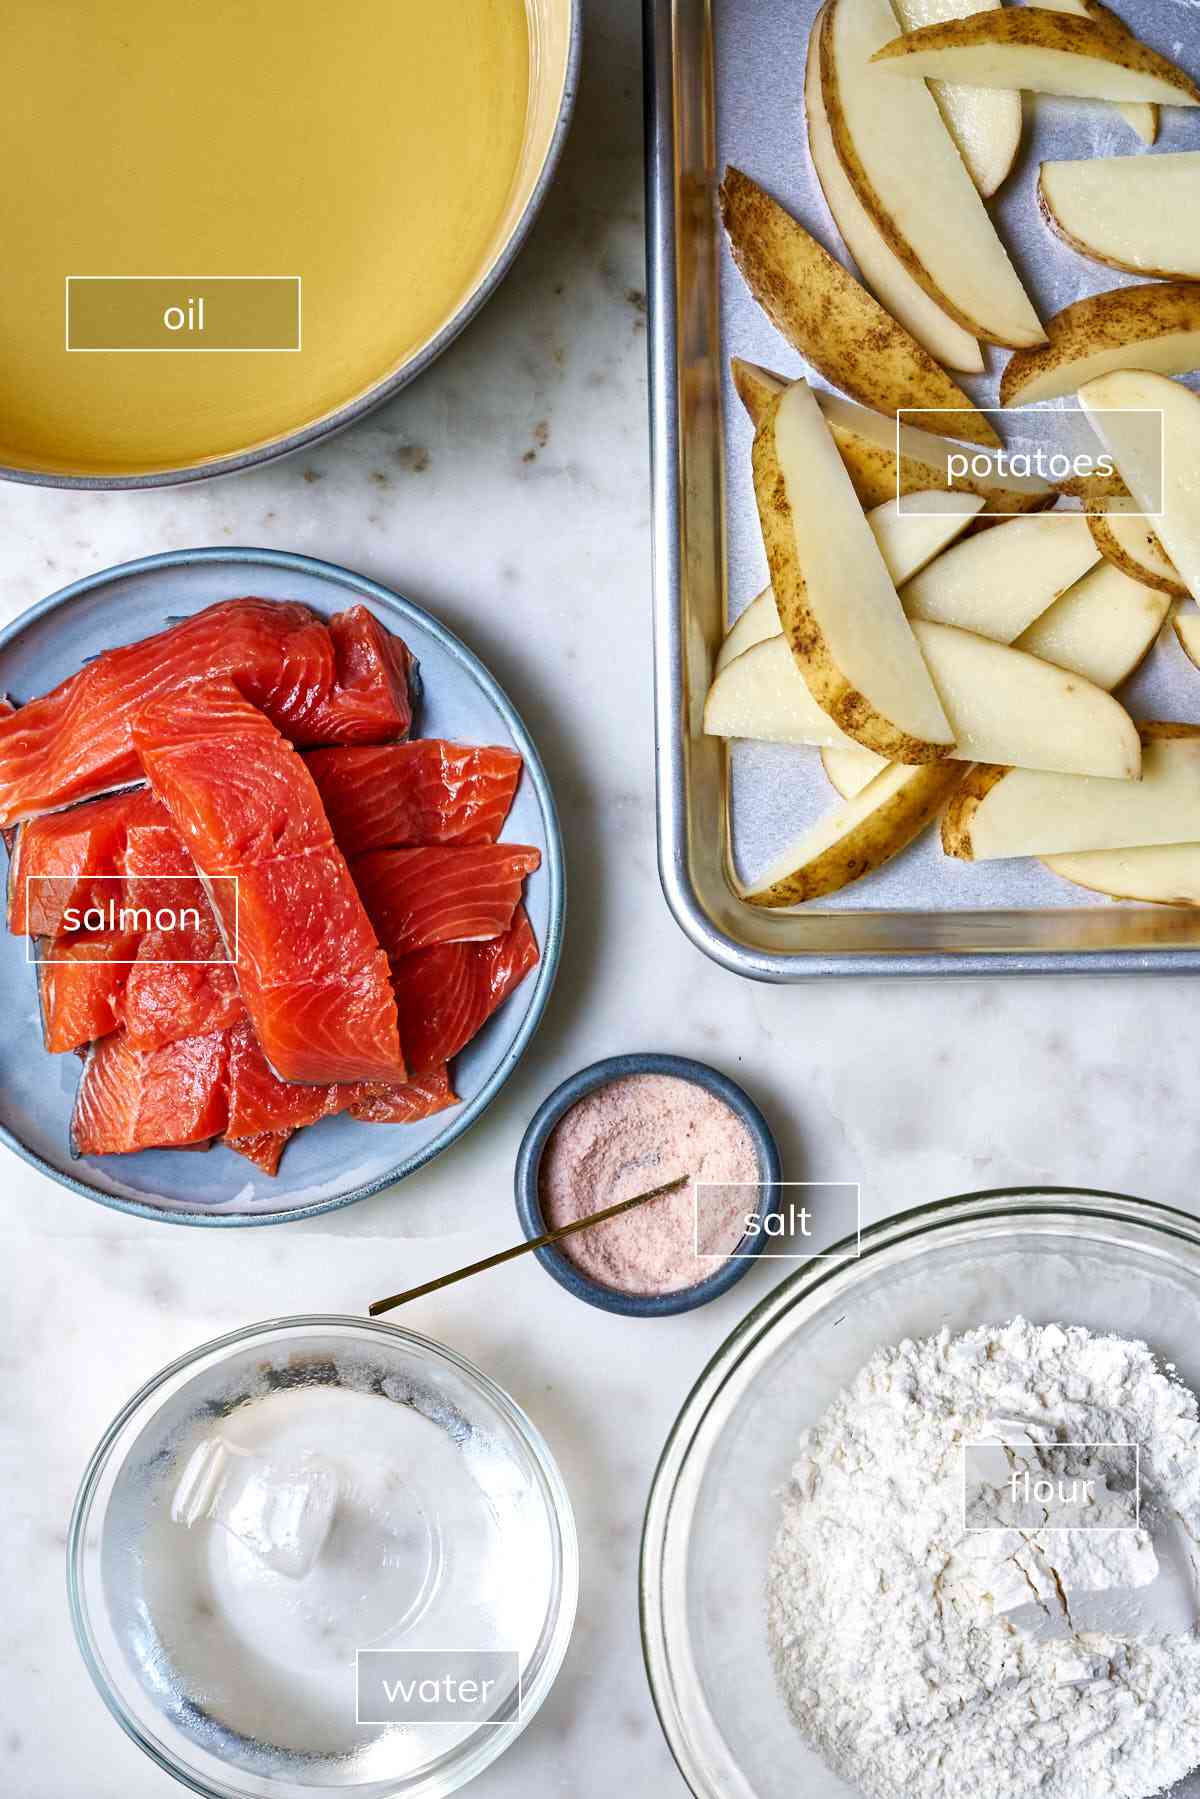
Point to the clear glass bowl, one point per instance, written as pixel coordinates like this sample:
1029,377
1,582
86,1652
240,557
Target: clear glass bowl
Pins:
457,1488
1097,1259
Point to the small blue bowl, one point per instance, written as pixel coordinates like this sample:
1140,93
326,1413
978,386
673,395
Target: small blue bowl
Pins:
600,1074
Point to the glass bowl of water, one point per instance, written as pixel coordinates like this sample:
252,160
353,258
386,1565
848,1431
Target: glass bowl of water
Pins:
322,1553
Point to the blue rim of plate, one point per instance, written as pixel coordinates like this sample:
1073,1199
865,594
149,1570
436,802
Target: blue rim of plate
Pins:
551,949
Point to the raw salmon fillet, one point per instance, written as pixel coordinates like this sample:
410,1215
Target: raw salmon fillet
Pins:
67,859
419,1098
132,1099
389,795
161,984
342,682
309,967
182,983
80,982
418,897
264,1150
446,993
259,1102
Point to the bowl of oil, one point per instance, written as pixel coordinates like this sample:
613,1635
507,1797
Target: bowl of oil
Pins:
247,226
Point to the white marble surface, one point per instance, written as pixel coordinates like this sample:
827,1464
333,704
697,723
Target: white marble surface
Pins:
508,492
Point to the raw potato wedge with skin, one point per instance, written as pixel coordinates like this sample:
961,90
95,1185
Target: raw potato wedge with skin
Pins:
1187,630
849,770
1049,717
757,621
1160,875
997,584
855,837
1046,52
1101,628
1153,326
1004,705
837,603
761,694
906,545
1134,213
984,122
866,443
908,175
1173,476
756,387
833,322
1127,541
1140,115
1001,812
882,270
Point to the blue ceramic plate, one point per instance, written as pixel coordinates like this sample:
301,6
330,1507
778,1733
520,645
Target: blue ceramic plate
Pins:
340,1159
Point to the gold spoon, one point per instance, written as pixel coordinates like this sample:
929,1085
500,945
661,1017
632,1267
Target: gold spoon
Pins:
520,1249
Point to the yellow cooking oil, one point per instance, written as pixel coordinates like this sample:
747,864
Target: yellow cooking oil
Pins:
368,147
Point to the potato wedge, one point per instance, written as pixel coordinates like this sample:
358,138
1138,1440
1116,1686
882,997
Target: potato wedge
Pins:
1043,51
1140,115
833,322
882,269
754,623
756,387
1187,631
1136,213
1164,875
998,700
855,837
837,603
905,543
908,175
866,442
849,770
1101,628
1152,326
1128,391
761,694
984,122
996,584
1128,541
1000,812
1049,718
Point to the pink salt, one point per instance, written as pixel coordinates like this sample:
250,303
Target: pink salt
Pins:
634,1134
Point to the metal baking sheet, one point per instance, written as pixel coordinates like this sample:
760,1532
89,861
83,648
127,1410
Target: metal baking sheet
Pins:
725,84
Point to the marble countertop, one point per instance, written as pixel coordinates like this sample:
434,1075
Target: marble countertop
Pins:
507,491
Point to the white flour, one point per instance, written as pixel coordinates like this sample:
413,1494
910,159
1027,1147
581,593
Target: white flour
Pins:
926,1662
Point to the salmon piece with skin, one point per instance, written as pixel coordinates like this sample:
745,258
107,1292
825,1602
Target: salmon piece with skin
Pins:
131,1099
264,1149
418,897
311,974
80,984
422,1097
182,983
446,994
427,791
68,859
345,681
259,1102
